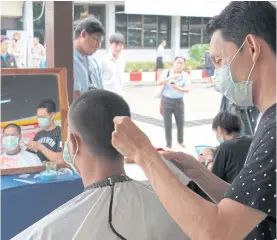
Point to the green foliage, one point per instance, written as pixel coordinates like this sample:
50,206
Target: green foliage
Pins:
197,51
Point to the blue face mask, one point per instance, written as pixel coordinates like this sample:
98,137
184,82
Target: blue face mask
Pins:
239,93
67,158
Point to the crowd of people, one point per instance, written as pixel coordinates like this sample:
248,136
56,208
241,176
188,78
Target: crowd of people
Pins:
238,177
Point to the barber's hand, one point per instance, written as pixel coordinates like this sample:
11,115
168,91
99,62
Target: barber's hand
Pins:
130,141
34,146
185,162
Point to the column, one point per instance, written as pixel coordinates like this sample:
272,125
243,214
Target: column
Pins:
175,35
110,22
28,24
59,38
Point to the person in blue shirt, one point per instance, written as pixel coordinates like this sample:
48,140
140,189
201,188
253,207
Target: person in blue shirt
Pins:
7,60
172,102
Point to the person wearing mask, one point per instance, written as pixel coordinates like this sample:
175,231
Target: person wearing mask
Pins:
88,36
7,59
160,59
113,65
47,143
243,49
14,156
37,52
230,155
15,50
172,102
113,206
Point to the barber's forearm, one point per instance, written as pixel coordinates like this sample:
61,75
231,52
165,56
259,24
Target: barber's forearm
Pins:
187,209
55,157
212,185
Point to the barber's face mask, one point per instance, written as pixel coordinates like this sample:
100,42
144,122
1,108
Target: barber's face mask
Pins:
10,143
67,157
44,122
239,93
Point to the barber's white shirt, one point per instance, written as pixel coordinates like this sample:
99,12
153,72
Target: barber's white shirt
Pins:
113,73
22,159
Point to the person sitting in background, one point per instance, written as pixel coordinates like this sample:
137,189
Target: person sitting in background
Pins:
136,213
14,156
7,59
229,158
47,142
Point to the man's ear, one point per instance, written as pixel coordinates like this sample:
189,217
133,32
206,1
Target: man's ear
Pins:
254,47
75,142
83,33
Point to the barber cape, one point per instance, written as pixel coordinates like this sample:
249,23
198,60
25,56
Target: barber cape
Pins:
137,214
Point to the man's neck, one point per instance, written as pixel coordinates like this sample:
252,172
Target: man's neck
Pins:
231,136
16,151
51,127
3,52
266,92
78,47
101,171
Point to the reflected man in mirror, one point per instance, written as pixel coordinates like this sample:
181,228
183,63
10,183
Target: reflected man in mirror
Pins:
7,59
88,36
47,142
14,156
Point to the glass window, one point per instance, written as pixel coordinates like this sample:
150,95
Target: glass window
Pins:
164,32
79,10
39,25
206,38
150,31
184,32
195,26
134,27
98,11
121,21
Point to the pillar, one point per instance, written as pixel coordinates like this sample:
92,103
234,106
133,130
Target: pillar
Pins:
59,38
175,35
110,22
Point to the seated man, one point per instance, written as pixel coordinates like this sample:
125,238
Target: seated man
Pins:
113,206
14,156
230,155
47,142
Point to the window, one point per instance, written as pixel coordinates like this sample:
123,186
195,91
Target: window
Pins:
193,31
98,11
150,31
184,32
121,22
39,25
143,31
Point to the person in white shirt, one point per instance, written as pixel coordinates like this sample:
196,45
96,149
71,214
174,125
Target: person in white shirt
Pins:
113,65
14,156
113,206
160,59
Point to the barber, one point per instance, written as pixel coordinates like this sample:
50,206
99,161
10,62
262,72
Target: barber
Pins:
243,49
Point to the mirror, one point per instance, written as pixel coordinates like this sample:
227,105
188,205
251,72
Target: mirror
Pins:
22,90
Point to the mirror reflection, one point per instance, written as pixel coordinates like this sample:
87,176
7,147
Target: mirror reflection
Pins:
30,120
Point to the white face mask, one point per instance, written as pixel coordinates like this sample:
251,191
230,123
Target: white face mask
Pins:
67,158
239,93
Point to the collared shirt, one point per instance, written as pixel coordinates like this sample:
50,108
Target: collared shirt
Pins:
160,51
87,74
113,74
170,92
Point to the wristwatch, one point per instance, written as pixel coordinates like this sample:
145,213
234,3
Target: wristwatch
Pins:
207,162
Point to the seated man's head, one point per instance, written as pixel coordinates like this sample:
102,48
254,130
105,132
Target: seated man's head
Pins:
11,138
90,130
46,112
226,126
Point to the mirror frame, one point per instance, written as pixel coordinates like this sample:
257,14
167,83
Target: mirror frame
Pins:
61,74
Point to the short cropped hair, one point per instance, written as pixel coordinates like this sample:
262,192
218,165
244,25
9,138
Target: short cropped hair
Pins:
241,18
230,122
90,25
49,104
117,38
92,114
176,58
13,125
4,38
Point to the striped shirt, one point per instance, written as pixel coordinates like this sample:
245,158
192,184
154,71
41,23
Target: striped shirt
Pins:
87,74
